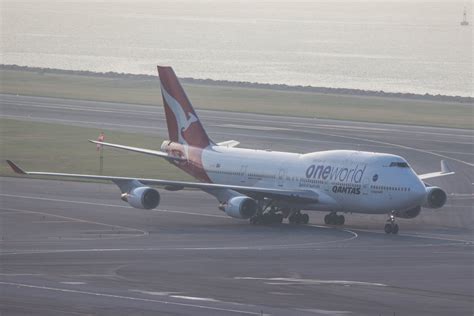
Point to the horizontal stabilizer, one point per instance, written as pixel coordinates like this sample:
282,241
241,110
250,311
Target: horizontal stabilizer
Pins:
229,143
139,150
445,171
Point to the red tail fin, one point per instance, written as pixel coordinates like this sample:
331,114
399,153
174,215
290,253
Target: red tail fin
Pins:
183,123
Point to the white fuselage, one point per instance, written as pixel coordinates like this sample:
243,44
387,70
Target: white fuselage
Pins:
347,181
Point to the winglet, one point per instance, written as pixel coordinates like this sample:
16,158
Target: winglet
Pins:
15,167
444,167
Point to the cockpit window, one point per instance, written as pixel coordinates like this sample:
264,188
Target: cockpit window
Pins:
399,164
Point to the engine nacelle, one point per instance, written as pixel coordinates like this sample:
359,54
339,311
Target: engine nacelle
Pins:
411,213
241,207
142,197
435,197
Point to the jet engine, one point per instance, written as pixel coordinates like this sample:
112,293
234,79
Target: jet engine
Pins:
241,207
142,197
435,197
411,213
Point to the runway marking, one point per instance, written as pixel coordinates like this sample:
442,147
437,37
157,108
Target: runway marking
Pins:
72,282
312,281
461,196
89,275
455,152
193,298
60,200
467,253
435,237
143,233
190,213
53,222
258,247
130,298
287,294
154,293
82,108
252,127
280,283
324,311
107,205
20,274
82,122
459,206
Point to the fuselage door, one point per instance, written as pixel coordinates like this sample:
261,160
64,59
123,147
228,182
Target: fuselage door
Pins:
365,186
243,174
281,177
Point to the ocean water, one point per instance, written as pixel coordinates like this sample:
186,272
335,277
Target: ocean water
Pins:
395,46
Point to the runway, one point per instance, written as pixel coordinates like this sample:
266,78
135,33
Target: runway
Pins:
75,248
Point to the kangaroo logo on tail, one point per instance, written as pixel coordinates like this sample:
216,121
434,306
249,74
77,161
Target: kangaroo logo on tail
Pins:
183,124
184,120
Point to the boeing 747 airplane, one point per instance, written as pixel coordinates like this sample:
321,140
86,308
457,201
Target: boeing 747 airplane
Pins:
269,186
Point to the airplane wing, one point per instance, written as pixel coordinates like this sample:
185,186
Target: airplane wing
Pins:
139,150
302,196
229,143
445,171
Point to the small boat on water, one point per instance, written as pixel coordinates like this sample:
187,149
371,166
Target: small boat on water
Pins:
464,21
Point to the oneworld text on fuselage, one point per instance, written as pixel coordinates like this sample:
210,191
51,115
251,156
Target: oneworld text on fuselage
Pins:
340,174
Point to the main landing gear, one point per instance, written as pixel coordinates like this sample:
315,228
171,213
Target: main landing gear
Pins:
267,214
267,218
298,218
334,219
270,214
391,227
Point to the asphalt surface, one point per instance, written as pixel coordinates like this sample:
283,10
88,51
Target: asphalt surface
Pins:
75,248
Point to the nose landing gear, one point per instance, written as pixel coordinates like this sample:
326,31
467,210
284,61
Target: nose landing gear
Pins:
391,227
334,219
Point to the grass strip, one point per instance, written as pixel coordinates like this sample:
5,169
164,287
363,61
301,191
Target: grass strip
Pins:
59,148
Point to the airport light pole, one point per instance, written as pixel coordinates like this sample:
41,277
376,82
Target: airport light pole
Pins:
100,148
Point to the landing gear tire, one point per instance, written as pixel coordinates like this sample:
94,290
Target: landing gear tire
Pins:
334,219
255,220
327,219
340,220
304,218
395,229
267,219
293,219
298,218
391,227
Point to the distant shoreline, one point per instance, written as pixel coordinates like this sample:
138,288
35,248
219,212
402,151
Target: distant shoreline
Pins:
240,84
